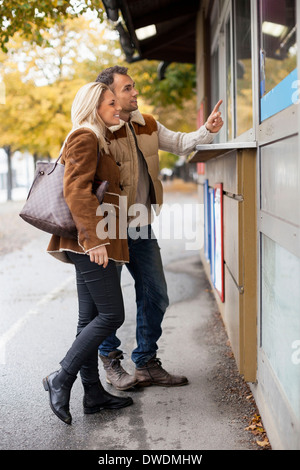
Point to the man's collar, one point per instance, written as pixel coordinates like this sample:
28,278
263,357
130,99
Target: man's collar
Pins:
135,116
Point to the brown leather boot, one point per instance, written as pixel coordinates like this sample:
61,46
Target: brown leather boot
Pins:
153,374
115,374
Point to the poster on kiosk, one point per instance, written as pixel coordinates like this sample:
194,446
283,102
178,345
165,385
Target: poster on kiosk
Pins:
219,255
213,234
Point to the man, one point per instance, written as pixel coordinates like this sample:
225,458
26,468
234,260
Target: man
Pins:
134,143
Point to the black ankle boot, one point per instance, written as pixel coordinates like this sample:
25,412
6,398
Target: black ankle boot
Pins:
59,385
96,399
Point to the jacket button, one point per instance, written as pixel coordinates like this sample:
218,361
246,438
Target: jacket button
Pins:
118,163
121,187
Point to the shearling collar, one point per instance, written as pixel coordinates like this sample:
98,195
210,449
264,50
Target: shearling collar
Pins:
135,116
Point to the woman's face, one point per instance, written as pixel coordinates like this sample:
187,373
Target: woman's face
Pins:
109,109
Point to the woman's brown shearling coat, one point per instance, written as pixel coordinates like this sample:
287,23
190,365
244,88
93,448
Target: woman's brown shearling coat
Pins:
80,159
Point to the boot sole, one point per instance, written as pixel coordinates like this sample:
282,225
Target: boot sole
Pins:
47,388
97,409
148,384
122,389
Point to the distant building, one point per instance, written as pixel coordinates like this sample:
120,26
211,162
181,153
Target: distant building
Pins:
22,175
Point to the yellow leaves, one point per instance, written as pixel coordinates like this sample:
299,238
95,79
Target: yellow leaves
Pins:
264,443
34,118
31,19
256,427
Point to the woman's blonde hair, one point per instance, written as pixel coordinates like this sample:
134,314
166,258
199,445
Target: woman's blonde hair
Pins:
84,112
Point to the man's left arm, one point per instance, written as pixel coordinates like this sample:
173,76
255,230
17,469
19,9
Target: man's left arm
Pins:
183,143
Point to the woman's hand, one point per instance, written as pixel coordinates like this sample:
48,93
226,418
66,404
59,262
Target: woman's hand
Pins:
99,255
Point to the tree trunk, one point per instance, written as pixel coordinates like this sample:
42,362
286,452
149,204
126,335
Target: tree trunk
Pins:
8,151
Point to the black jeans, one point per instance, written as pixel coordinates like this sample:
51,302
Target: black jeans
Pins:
101,312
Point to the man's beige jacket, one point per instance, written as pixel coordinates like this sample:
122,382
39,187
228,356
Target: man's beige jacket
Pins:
150,137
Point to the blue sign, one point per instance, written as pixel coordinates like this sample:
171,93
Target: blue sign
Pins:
206,222
280,97
212,233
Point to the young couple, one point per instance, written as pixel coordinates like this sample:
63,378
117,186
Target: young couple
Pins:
111,140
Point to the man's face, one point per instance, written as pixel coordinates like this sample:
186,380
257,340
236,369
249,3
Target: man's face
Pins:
124,89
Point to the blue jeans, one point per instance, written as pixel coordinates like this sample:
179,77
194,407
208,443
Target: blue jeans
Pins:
146,268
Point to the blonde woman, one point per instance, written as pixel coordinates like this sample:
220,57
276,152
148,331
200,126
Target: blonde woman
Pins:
101,311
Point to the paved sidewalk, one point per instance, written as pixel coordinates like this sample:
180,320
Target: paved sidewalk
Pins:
14,232
211,412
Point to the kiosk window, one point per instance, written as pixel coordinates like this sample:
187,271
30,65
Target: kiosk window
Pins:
243,66
215,82
229,81
278,55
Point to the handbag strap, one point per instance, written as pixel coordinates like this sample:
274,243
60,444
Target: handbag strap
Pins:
56,162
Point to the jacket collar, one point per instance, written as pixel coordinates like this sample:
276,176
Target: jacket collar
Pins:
135,116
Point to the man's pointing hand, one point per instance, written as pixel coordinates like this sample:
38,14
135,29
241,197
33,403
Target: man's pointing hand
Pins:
214,121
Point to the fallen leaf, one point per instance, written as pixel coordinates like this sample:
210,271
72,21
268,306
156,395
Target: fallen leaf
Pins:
263,443
251,427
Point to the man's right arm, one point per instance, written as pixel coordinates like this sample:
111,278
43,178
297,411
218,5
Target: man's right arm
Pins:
182,143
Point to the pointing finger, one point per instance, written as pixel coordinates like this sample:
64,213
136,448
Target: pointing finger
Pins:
216,108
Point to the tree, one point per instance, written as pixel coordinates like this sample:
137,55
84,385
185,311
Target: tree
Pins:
35,117
8,136
41,83
177,87
31,18
69,45
34,20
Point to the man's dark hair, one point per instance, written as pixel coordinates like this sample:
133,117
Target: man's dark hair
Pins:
107,75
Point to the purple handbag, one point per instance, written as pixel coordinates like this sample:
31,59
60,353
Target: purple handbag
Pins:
46,208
